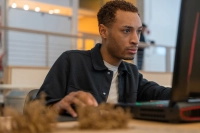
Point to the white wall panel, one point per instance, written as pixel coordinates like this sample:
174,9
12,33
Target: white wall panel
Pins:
29,49
162,18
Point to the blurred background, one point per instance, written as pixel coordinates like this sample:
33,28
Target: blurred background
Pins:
33,33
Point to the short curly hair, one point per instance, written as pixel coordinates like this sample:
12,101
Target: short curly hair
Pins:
106,14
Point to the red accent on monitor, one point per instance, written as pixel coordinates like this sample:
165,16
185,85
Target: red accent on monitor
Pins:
193,46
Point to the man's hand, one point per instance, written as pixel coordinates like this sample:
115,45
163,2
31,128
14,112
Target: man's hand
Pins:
79,98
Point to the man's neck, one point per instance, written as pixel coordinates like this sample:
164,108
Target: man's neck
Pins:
108,58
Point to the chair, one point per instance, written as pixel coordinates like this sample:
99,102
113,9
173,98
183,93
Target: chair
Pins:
30,96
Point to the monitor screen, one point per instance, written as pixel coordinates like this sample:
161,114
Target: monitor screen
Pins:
186,77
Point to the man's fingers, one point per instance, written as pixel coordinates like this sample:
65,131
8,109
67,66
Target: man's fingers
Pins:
94,100
87,98
67,104
78,102
79,98
70,110
91,100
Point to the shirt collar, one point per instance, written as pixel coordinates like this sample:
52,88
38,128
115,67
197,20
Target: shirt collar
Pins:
98,63
123,67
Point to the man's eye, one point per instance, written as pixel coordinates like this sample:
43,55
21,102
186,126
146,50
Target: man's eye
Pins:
127,30
139,31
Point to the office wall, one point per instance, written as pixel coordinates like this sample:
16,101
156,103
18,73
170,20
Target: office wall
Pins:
34,76
29,49
161,17
38,21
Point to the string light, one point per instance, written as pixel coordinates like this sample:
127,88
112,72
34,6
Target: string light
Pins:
14,5
26,7
56,11
50,11
37,9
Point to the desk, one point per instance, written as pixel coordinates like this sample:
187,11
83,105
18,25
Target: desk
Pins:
137,126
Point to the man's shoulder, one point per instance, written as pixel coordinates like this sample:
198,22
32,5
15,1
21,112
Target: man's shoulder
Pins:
71,53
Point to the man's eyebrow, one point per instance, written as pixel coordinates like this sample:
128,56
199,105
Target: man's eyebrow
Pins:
140,27
126,26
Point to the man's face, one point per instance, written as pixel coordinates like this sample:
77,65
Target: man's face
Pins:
123,36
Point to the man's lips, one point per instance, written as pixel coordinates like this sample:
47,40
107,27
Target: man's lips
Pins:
132,51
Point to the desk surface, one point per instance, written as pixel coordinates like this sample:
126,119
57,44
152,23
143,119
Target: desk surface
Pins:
137,126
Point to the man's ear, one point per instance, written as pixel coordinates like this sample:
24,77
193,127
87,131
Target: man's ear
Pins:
103,31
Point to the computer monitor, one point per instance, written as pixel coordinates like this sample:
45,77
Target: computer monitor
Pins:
186,77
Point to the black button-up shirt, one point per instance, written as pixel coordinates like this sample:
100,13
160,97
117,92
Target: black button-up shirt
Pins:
85,70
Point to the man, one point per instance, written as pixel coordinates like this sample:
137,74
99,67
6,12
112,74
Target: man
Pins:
100,74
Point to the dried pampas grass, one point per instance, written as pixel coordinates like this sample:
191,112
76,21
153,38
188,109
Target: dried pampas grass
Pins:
105,116
37,118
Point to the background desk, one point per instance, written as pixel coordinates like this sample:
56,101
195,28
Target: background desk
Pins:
136,126
4,88
18,102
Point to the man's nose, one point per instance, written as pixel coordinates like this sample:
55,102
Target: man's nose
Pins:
135,38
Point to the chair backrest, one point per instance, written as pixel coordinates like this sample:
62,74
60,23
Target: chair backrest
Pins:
30,96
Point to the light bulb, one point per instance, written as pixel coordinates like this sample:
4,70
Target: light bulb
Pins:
26,7
37,9
50,11
14,5
56,11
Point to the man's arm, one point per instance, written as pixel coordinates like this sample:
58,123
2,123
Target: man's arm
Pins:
55,87
149,90
55,83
